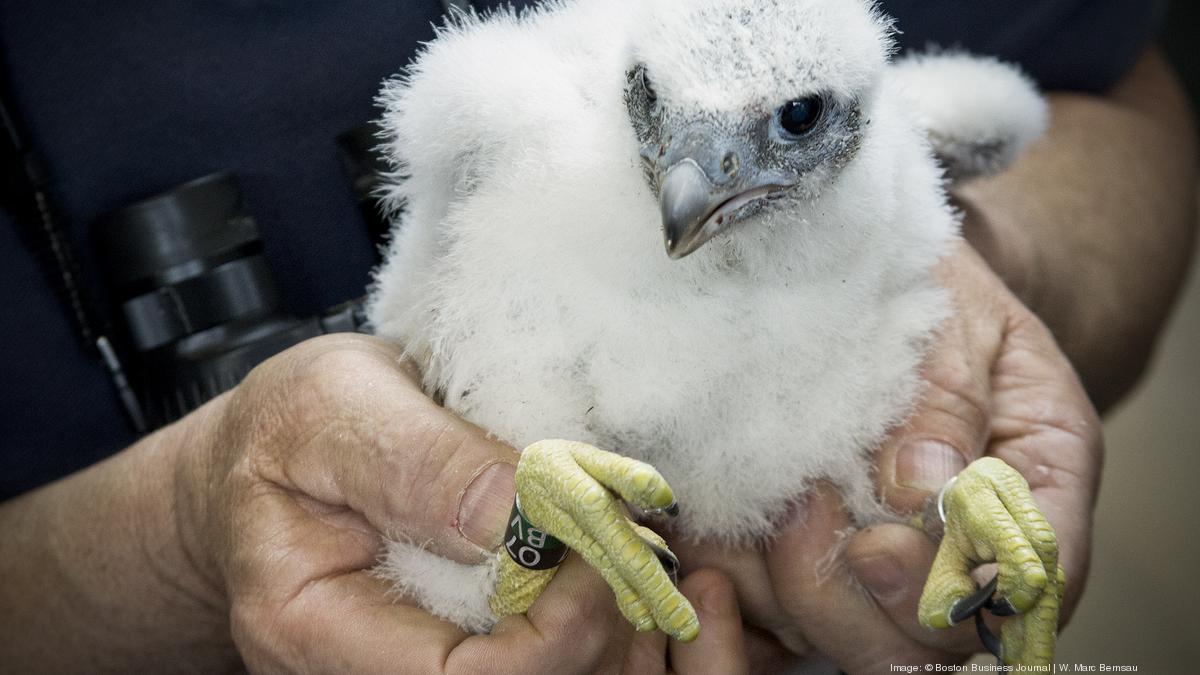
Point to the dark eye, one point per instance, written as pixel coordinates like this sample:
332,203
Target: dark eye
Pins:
800,116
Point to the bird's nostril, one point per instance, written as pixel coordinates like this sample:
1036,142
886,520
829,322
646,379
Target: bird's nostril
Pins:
730,164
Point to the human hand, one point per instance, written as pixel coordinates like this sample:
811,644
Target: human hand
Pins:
719,648
294,477
998,385
293,480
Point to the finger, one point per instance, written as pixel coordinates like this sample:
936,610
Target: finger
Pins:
283,605
1045,427
747,570
345,623
348,425
720,647
892,562
766,654
571,628
647,654
817,592
616,655
949,427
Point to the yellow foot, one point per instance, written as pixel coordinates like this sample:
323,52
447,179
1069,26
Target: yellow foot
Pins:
563,490
990,516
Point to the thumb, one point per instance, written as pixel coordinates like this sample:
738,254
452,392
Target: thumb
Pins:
949,427
721,647
355,430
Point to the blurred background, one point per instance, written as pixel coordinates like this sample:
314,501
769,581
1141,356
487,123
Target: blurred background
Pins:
1142,605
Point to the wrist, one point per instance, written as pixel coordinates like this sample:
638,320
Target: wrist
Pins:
197,509
101,578
193,590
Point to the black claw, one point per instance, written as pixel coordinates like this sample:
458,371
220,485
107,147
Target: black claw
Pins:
673,509
987,637
668,560
975,604
1001,607
964,608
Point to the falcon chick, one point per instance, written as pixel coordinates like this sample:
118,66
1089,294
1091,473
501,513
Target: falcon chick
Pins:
543,163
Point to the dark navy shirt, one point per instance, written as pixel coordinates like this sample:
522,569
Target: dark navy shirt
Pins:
124,99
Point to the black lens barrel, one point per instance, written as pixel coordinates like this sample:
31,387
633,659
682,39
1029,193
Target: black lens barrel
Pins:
184,261
200,305
174,235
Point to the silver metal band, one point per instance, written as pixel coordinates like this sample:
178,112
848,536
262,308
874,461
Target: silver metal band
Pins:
941,500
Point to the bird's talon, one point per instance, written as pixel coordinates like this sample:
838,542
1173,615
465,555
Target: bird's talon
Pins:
990,516
970,605
567,489
1002,607
670,511
988,638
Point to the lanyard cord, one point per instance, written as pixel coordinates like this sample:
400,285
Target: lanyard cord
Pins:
26,198
25,195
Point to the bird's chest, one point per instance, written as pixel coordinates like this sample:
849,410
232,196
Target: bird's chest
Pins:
741,402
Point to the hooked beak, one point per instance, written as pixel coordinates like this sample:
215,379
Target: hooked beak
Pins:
701,196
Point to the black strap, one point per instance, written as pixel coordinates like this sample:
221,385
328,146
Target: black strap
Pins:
25,196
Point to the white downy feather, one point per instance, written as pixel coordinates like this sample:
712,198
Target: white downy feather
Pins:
527,271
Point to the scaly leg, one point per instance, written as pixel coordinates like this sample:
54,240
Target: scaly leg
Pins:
563,489
991,516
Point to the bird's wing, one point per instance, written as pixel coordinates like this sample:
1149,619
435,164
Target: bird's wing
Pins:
979,112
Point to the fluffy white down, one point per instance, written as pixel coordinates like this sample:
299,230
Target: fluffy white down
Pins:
528,277
445,588
980,112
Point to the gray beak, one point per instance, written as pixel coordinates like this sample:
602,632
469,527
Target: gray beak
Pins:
687,198
704,188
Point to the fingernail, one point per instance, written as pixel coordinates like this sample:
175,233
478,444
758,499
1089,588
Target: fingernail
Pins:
485,504
880,574
927,465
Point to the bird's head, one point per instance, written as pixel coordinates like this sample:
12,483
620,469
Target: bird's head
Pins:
741,107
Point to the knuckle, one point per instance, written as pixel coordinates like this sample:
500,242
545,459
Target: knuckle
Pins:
309,378
332,369
958,394
425,480
953,378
